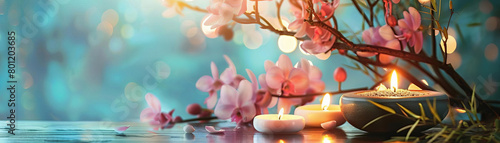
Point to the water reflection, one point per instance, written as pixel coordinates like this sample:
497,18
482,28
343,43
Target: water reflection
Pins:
278,138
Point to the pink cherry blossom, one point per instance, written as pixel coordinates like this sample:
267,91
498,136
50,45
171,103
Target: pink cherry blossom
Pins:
339,74
410,27
262,97
153,114
210,85
222,11
287,80
229,76
392,42
236,104
315,83
321,39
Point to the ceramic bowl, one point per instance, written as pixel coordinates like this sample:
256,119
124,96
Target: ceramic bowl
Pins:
358,111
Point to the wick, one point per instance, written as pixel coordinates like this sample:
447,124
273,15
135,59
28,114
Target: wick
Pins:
279,117
394,89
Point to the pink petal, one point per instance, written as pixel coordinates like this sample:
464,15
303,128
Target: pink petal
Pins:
304,65
386,32
316,86
315,73
408,19
402,25
302,30
367,35
268,64
227,102
418,40
396,1
147,114
248,111
255,84
330,125
285,64
310,47
300,80
227,76
211,100
211,129
262,81
205,83
245,93
215,71
275,78
243,7
121,129
153,102
416,19
230,63
274,101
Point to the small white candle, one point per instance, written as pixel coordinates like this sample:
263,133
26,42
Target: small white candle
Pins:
278,123
316,114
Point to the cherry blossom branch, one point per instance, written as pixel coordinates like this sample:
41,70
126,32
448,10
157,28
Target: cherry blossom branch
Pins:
198,119
320,93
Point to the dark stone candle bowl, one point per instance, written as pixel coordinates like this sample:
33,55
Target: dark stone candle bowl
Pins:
360,110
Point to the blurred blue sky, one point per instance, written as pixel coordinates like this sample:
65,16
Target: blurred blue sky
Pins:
95,60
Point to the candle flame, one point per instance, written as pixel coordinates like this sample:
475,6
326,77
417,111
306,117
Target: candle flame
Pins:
282,141
280,115
327,139
460,110
381,87
326,102
394,81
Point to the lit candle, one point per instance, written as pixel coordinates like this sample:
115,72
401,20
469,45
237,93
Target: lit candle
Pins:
316,114
360,108
278,123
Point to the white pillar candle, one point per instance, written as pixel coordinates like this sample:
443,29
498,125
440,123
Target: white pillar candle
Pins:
274,123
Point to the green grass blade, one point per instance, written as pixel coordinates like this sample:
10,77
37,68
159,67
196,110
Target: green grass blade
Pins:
408,111
383,107
438,134
411,130
374,120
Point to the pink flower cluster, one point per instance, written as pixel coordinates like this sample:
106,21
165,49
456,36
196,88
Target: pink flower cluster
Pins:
405,32
241,100
155,117
320,39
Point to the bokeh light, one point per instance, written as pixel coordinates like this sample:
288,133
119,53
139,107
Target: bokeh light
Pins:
324,56
491,52
252,40
485,6
492,23
451,44
455,59
287,44
127,31
162,70
105,27
110,16
28,80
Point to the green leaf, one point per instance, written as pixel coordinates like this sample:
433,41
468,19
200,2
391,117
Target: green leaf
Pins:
383,107
433,110
474,24
438,134
408,111
374,120
411,130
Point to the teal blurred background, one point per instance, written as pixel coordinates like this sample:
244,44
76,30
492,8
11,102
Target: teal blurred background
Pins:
95,60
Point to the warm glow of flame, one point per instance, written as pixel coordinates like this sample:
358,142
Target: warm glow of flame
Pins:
394,81
460,110
326,102
282,141
280,115
327,139
381,87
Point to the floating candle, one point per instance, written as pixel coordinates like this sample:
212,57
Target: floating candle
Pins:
278,123
316,114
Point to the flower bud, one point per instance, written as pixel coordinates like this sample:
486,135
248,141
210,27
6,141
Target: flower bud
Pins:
339,74
451,5
391,20
194,109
